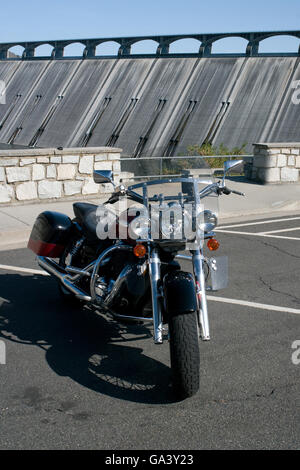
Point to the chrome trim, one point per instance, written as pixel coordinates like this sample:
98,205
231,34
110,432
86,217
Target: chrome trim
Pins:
104,254
58,271
198,262
81,272
185,257
154,272
117,285
129,317
84,272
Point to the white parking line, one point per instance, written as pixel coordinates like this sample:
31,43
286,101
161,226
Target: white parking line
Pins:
213,298
280,236
274,308
258,223
261,234
280,230
23,270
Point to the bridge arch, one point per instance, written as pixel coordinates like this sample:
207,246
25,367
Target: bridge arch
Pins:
74,49
185,45
109,47
17,49
208,41
230,45
145,46
43,50
281,43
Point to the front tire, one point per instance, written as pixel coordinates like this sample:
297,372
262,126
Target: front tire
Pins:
185,354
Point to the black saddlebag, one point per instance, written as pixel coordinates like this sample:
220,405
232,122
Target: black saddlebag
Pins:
50,234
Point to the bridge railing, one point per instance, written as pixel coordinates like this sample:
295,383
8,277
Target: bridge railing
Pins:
125,44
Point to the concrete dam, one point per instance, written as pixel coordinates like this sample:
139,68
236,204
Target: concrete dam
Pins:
150,105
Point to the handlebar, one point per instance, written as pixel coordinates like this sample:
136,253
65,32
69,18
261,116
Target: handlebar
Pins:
113,198
227,191
131,195
138,198
237,192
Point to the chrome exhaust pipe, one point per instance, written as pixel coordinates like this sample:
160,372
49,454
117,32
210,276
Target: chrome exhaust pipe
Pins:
103,255
108,302
53,268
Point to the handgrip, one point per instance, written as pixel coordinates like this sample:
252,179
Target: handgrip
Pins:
113,198
227,191
237,192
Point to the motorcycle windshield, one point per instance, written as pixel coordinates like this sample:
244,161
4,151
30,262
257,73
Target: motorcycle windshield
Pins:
211,201
176,210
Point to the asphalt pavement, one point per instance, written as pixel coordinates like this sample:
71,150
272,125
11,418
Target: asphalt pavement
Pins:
75,380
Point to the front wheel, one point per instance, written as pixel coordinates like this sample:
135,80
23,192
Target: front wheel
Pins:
185,354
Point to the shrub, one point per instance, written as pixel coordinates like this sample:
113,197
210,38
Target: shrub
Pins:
208,149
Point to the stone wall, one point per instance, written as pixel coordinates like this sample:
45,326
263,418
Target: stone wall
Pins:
276,163
33,175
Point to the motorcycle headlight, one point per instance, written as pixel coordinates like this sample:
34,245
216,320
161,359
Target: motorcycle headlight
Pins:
181,224
209,221
174,222
170,222
139,228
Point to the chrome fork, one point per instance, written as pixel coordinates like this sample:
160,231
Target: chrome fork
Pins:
154,272
198,267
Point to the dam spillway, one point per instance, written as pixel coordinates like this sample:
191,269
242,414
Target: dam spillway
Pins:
150,106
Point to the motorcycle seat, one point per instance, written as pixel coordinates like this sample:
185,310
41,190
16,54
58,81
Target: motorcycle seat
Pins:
86,214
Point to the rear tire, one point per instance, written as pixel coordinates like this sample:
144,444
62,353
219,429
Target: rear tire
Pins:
185,354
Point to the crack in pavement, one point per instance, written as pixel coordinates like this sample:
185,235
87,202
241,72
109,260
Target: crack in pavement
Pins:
224,401
271,289
276,248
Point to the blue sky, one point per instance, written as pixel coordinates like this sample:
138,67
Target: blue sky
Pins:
63,19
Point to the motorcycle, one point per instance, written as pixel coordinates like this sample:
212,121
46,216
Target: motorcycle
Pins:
126,264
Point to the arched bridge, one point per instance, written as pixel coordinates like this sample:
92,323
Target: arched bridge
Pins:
163,43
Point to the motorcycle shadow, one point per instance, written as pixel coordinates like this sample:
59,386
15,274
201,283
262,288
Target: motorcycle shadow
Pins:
96,352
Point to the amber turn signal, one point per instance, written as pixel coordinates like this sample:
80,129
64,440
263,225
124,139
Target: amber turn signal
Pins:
213,244
139,250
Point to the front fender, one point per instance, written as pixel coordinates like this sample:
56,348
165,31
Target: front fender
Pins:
179,293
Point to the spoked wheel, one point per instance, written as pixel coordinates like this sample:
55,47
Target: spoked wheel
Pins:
185,354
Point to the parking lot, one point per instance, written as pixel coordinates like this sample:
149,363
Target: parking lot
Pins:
74,380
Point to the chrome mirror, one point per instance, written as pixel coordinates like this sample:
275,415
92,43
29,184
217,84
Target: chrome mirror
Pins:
103,176
229,165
